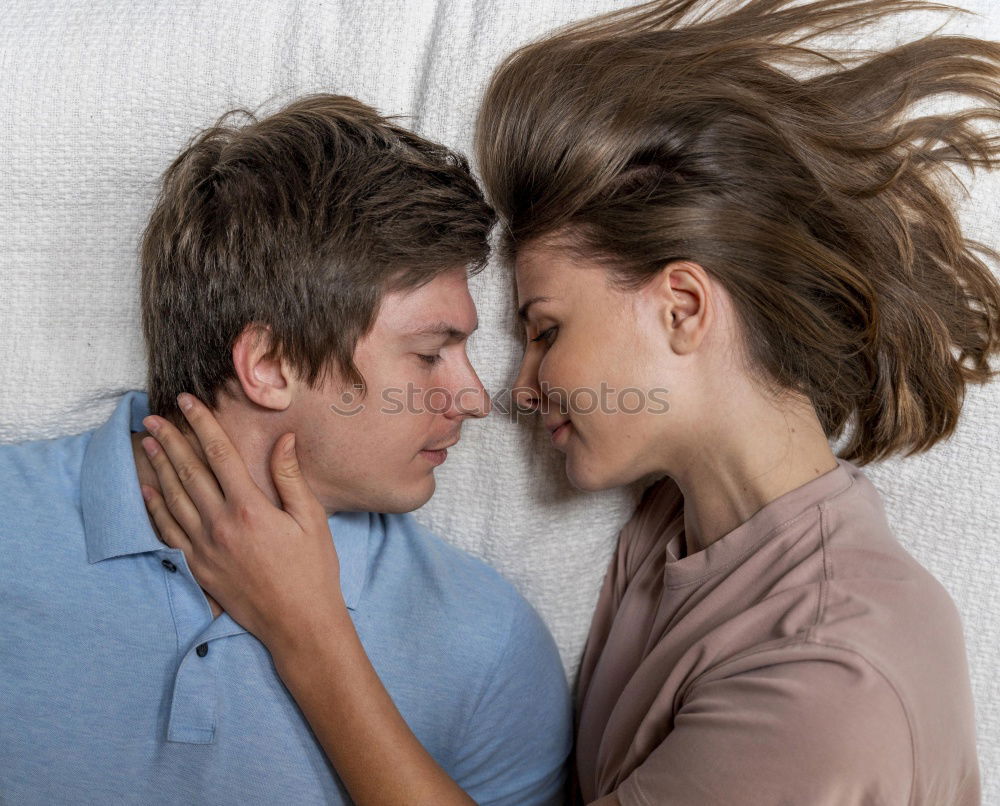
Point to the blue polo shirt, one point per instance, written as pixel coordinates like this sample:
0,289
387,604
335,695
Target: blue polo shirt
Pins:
117,686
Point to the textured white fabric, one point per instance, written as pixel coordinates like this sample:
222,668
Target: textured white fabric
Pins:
96,97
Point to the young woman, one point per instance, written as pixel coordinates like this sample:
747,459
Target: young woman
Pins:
702,203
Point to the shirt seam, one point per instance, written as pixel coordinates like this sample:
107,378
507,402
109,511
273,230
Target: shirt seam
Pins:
767,536
635,789
810,636
899,699
487,684
802,642
173,610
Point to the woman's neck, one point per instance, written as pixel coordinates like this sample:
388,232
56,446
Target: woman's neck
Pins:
752,460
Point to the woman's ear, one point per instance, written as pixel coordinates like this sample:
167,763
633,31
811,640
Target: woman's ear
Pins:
683,291
265,379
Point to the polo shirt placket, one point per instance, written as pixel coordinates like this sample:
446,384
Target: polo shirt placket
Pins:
194,701
111,515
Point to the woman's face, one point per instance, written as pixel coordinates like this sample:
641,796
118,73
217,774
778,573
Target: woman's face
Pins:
597,367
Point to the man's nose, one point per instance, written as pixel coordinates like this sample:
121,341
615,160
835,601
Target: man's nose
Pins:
471,398
526,394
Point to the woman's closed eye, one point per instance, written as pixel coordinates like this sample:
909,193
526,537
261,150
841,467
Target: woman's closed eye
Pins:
548,335
430,360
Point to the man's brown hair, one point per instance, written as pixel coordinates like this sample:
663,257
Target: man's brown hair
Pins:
803,182
299,223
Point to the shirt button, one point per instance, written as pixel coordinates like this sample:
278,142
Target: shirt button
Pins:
169,566
202,650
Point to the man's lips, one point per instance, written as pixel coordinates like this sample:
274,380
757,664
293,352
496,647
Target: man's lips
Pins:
436,456
443,447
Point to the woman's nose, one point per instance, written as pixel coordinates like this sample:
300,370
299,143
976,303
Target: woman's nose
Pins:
526,394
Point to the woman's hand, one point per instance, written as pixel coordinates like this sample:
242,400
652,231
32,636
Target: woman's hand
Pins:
274,570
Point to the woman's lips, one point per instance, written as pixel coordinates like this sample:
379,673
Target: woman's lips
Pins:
561,433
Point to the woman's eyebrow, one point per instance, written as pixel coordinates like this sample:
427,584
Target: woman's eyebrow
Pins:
522,312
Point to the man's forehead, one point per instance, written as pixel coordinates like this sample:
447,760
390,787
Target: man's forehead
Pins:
443,307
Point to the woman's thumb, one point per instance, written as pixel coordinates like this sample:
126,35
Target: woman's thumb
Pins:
293,490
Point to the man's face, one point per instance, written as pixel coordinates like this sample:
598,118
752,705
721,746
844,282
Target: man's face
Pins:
378,453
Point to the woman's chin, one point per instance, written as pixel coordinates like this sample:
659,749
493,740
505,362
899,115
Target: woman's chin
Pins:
588,479
595,475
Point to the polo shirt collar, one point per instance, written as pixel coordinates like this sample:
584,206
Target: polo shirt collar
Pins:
115,520
116,523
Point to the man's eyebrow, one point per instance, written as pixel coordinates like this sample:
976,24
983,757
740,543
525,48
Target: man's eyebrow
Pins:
522,312
442,328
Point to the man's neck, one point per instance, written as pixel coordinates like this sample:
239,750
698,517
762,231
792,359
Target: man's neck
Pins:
147,475
250,448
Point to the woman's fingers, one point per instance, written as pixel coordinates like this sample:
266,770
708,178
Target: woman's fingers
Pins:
297,498
174,499
226,463
185,466
169,531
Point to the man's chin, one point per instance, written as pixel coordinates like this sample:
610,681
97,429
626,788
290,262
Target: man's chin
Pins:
407,498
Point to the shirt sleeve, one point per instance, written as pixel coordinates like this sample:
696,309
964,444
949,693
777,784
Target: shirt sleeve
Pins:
661,505
817,731
514,749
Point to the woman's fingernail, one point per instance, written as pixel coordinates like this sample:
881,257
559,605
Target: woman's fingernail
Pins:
290,447
147,493
151,423
184,401
149,445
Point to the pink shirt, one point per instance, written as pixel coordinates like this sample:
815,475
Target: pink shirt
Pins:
803,658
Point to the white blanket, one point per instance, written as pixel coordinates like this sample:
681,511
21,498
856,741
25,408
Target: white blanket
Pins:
97,96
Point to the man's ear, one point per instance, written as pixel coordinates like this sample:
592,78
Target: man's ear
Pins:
684,294
265,379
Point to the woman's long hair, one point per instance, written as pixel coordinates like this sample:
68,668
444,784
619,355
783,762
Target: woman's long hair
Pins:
803,182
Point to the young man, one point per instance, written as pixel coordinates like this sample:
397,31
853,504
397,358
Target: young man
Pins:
304,272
